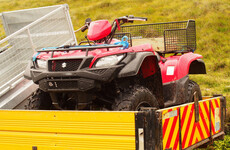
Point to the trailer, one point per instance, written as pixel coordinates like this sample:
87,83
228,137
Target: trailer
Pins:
180,127
184,126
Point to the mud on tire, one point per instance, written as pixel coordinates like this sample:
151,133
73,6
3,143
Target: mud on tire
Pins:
39,100
135,98
192,88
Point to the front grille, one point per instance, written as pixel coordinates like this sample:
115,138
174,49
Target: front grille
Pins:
62,85
64,65
98,71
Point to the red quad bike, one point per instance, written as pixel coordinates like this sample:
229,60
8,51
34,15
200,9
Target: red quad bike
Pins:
108,72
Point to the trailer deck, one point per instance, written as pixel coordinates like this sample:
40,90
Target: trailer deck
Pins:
185,126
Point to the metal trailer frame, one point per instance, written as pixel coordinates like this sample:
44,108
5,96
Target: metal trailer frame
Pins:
140,130
186,141
55,28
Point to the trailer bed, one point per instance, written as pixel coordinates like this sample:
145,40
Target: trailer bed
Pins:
185,126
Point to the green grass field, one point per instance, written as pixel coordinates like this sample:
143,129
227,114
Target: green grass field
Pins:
212,24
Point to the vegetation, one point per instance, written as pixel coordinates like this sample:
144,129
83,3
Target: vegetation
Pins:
212,23
222,144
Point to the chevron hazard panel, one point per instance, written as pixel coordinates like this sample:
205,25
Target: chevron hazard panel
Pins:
215,116
191,131
170,126
180,129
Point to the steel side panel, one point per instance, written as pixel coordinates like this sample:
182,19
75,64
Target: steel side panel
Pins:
62,130
215,116
170,128
191,132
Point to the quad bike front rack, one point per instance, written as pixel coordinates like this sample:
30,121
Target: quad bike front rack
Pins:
87,48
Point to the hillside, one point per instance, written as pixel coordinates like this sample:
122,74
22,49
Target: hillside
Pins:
212,23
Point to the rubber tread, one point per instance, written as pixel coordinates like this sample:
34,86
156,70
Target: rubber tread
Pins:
192,88
39,100
131,98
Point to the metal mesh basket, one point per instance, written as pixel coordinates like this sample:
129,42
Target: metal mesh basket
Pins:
164,37
16,50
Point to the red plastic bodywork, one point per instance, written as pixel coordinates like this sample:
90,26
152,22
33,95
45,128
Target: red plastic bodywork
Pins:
97,53
99,29
181,63
148,67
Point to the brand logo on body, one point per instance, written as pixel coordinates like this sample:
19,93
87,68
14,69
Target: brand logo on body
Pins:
63,65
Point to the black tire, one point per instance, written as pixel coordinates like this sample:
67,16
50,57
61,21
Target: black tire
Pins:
135,98
39,100
192,88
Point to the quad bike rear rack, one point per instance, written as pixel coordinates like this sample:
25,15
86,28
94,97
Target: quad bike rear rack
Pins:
169,37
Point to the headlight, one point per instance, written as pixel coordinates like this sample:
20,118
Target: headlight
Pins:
109,60
42,63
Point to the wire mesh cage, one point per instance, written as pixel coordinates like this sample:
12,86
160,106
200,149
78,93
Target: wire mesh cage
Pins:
16,50
164,37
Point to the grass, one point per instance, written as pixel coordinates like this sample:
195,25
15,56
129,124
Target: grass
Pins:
221,144
218,144
212,23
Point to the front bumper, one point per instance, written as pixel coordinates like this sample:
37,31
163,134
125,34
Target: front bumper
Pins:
79,80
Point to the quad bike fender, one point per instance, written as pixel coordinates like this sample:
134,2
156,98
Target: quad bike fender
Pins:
177,67
191,63
27,73
146,65
197,67
146,61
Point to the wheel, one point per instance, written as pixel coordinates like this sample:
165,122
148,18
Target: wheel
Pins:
193,88
135,98
39,100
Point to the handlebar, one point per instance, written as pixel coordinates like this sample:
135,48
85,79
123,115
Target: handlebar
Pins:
138,19
87,23
84,28
124,19
131,18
